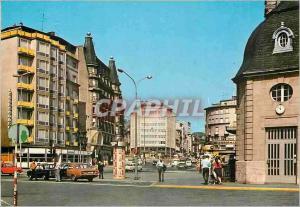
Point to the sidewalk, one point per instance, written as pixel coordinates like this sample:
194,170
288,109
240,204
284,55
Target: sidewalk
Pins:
192,180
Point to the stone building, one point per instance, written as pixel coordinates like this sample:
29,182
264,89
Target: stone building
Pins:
155,130
98,82
220,127
268,99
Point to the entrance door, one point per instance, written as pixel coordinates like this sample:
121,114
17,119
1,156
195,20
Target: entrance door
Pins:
281,150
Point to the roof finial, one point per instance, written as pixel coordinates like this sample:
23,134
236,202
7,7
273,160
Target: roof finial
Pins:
282,24
111,57
89,34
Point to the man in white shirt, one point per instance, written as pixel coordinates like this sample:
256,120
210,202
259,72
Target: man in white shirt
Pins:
205,163
160,168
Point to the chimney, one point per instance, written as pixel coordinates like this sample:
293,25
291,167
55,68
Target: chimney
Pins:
270,5
51,33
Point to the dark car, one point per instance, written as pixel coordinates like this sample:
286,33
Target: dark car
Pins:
154,162
44,171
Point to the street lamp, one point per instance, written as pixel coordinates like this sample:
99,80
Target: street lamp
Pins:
135,121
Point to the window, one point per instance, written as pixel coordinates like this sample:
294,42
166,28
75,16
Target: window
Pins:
53,53
24,61
60,121
281,92
43,101
283,39
43,83
42,66
43,47
61,57
24,43
43,118
43,135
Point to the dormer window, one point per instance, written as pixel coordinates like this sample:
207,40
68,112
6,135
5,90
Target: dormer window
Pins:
283,39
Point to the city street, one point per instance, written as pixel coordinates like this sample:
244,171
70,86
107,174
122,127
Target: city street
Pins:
181,187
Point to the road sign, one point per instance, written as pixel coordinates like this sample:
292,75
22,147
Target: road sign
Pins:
23,133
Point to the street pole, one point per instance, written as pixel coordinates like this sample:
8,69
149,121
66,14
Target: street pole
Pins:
15,170
135,122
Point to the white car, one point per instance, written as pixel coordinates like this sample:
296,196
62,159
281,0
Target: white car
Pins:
175,162
188,163
131,167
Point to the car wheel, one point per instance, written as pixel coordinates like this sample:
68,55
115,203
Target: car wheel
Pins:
73,178
90,179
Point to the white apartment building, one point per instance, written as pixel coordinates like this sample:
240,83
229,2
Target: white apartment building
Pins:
155,131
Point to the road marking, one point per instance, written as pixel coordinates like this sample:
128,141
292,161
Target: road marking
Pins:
2,201
83,183
227,188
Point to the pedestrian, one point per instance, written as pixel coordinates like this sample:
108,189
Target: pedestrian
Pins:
33,166
57,170
100,169
160,167
217,168
205,164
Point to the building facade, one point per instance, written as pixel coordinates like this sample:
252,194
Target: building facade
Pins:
220,127
155,130
40,90
99,82
183,137
268,99
52,87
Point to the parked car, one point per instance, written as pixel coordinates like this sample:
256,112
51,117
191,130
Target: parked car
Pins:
9,168
175,162
44,171
181,165
131,167
77,171
154,162
188,163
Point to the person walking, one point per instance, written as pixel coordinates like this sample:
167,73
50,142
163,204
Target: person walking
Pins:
33,166
100,169
160,167
205,164
217,168
57,170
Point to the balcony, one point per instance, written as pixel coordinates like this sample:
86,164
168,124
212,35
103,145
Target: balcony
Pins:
76,115
26,122
68,113
67,128
25,86
26,51
25,104
25,68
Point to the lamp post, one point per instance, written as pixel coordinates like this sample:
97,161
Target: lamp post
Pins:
135,120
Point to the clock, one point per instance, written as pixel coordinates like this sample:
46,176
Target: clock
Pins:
280,109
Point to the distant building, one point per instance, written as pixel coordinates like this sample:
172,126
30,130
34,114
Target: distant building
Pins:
220,126
183,137
155,130
268,99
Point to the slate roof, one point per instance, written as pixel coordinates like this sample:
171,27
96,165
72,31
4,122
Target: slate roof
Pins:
258,55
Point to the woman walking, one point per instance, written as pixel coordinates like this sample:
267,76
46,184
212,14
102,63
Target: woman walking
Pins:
217,168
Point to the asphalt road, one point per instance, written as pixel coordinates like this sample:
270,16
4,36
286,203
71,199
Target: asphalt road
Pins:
108,193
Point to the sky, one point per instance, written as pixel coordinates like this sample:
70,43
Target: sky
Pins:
192,49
